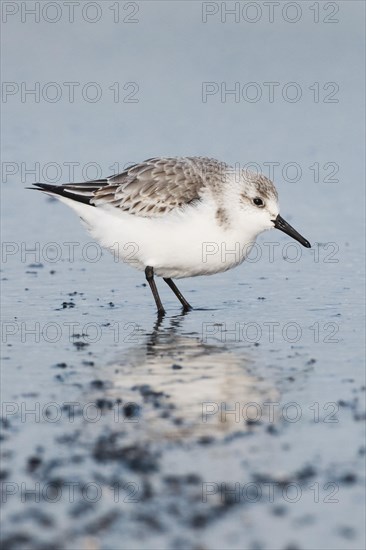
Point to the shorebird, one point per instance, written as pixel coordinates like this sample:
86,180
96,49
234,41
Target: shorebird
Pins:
177,217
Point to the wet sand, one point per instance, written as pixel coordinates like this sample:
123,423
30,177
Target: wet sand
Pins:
192,432
241,424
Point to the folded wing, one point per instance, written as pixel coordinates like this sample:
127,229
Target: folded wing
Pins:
154,187
149,189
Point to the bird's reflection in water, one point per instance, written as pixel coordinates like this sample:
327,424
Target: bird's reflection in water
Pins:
187,388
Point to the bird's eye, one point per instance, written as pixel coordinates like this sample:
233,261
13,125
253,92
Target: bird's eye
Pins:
258,202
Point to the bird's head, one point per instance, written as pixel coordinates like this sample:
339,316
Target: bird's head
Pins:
259,200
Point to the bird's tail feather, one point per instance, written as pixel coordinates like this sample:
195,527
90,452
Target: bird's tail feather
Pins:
80,192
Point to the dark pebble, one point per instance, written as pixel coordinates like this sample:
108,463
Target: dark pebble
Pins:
348,478
33,463
69,305
104,404
198,521
80,345
306,473
347,532
252,422
271,429
279,510
131,410
206,440
61,365
97,384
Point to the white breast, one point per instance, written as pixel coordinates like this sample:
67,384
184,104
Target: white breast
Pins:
184,243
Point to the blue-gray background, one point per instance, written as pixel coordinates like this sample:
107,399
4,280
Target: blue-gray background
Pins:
168,52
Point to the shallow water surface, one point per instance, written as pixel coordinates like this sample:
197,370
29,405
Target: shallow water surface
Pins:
194,427
239,425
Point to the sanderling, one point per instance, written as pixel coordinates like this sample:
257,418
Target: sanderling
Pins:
177,217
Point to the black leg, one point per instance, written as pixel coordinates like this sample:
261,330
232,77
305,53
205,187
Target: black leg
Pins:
149,273
179,295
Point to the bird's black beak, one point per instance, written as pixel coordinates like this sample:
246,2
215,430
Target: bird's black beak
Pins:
282,225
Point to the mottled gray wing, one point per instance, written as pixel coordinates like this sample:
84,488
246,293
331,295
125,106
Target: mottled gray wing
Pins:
158,185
